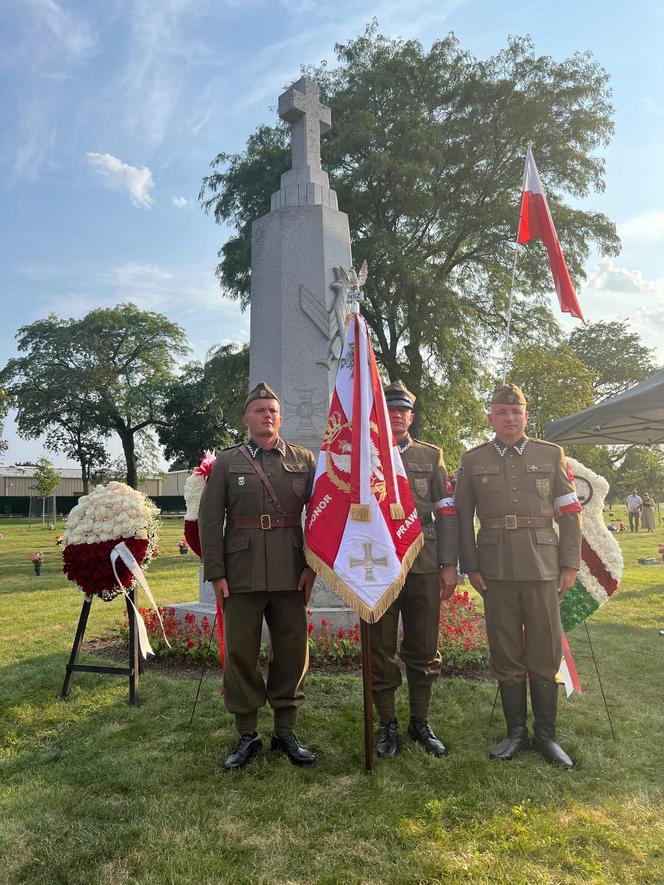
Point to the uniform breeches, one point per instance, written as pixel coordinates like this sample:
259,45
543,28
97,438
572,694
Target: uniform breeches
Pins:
523,627
419,605
245,690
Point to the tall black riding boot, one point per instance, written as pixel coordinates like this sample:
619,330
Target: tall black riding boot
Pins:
544,701
515,708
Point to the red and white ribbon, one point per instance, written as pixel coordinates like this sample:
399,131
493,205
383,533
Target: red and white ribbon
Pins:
121,551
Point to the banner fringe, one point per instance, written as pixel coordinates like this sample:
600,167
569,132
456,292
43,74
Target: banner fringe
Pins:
370,615
360,512
396,511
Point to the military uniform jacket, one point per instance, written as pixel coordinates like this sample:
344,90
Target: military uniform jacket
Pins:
255,559
432,495
533,483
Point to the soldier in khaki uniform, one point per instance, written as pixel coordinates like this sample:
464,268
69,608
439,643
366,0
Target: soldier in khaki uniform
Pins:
432,575
517,486
252,550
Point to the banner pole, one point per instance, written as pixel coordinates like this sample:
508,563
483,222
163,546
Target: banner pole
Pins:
368,697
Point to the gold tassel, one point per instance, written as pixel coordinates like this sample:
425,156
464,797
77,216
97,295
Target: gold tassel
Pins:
360,513
396,511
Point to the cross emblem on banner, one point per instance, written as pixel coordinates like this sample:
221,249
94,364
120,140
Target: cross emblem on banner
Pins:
368,563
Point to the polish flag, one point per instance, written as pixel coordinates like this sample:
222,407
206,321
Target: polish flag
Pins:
535,223
362,531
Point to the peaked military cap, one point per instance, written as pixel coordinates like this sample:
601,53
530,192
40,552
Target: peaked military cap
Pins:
509,394
398,396
261,391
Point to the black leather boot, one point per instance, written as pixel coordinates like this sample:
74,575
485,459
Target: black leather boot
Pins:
420,730
515,708
290,745
387,745
544,701
244,751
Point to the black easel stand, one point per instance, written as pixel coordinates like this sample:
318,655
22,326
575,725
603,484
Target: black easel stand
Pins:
132,671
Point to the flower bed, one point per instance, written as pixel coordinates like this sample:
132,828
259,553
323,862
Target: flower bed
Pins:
463,643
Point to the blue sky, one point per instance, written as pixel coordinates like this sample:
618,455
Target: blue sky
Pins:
110,113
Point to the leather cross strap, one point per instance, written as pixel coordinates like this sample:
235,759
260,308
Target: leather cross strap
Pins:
518,522
265,521
256,467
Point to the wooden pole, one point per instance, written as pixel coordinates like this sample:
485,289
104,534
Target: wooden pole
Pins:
368,698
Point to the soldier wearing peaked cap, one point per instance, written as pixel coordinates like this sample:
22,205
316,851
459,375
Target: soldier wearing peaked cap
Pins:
252,547
433,574
517,486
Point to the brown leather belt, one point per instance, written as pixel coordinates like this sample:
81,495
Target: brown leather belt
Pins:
518,522
265,521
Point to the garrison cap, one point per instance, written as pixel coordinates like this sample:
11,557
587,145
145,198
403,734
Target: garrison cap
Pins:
508,393
261,391
398,396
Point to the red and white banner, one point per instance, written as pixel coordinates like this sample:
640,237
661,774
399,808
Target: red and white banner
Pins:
362,531
535,223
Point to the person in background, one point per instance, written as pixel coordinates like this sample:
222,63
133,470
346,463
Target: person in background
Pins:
648,513
634,505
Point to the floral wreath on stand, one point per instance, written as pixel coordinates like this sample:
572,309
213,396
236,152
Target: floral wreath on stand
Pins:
193,489
109,536
601,558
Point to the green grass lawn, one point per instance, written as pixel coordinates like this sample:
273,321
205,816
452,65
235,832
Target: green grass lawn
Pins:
94,790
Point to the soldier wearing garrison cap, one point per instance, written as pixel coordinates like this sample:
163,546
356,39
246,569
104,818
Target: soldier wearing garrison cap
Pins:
517,487
252,548
433,574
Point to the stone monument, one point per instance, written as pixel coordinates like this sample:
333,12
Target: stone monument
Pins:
298,303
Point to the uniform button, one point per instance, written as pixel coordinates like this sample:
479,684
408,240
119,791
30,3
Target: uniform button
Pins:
511,456
515,488
514,476
516,500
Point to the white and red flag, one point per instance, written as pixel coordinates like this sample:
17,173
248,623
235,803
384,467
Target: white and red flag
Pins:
362,531
535,223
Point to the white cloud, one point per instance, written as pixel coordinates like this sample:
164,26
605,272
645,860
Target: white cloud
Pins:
36,140
52,35
608,277
647,227
181,202
121,176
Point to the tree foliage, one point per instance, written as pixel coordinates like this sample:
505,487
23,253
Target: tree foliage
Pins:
426,153
4,408
616,355
641,469
107,372
554,381
204,406
46,477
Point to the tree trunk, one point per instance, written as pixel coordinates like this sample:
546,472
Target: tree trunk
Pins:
127,438
415,370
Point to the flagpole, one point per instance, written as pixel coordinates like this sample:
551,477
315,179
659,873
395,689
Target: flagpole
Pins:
354,294
506,350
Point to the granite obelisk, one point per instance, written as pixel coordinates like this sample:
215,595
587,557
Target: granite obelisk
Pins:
298,306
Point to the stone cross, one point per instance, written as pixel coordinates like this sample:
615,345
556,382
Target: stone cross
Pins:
368,563
309,119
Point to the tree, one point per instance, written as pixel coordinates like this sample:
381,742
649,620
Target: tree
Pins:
642,469
107,372
47,479
4,408
426,153
554,381
617,356
203,409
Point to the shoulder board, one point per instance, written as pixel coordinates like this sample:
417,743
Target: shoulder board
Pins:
544,442
476,448
428,445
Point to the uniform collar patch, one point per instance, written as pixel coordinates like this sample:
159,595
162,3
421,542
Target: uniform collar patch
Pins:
254,448
405,443
518,447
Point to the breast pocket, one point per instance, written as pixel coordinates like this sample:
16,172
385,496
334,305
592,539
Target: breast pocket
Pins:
541,482
487,479
242,479
298,475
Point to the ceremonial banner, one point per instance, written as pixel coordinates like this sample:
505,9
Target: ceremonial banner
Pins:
362,531
536,223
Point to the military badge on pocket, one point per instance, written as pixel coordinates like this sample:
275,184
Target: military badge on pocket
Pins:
543,487
299,486
421,487
240,480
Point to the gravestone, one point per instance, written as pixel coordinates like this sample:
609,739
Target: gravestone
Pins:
298,303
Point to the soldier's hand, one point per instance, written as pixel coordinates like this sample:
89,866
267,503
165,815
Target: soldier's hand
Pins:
448,579
306,583
477,581
220,587
566,581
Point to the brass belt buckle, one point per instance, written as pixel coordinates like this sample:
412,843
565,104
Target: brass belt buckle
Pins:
510,521
266,522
